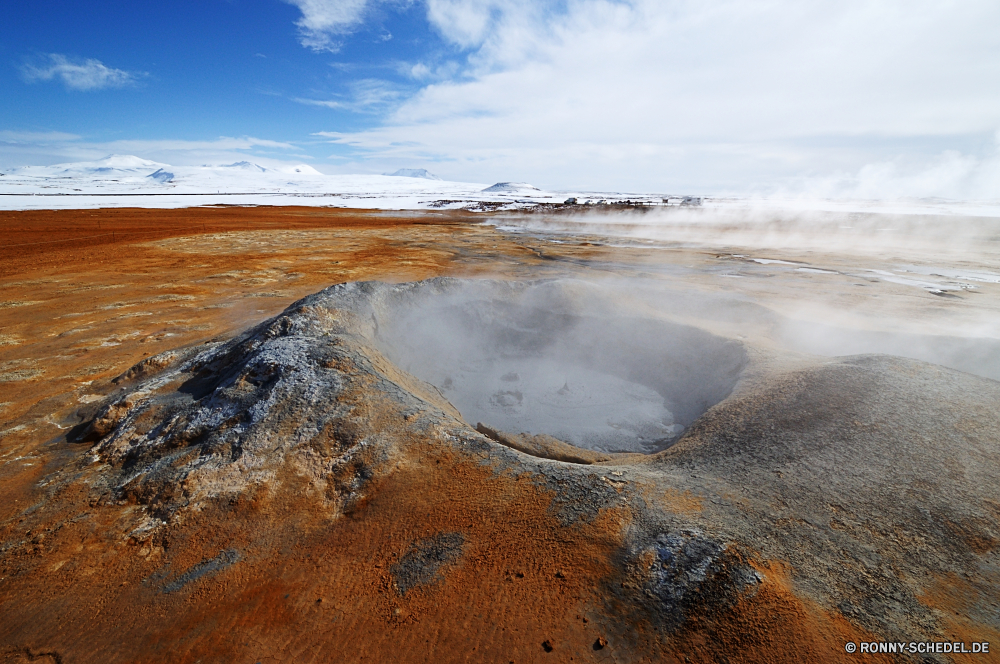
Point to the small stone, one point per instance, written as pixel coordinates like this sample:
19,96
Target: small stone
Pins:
600,643
547,646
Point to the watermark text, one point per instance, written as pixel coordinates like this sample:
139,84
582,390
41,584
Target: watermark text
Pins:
918,647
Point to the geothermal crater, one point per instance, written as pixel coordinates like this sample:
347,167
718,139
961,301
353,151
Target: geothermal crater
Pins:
560,358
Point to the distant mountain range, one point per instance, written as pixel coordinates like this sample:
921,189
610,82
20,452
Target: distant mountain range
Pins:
129,181
413,173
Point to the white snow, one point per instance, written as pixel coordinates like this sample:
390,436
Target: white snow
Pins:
112,164
772,261
128,181
953,273
513,187
814,270
245,166
413,173
161,176
933,286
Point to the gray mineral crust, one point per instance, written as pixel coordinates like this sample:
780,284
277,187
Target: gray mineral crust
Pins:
865,474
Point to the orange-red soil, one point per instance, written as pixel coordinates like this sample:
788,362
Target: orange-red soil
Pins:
80,306
140,282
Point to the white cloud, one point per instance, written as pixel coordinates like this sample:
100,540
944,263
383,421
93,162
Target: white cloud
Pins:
43,137
323,21
462,22
424,72
696,94
221,143
325,103
366,95
87,74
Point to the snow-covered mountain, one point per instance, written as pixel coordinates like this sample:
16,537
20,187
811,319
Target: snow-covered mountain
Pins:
413,173
115,165
511,187
122,180
129,181
124,168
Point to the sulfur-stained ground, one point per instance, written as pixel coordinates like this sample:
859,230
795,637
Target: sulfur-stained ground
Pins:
824,502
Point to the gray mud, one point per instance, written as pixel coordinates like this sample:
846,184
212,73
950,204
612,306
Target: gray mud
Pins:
558,358
868,476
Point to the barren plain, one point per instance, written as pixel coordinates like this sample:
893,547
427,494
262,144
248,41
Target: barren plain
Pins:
250,434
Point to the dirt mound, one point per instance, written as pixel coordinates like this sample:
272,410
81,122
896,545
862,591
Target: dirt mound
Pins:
264,497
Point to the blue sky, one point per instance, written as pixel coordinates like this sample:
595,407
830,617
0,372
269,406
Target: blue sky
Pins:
855,97
200,70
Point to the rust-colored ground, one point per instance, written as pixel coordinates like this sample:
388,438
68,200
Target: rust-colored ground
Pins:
86,294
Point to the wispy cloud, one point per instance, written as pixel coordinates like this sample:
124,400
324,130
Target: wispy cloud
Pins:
24,148
422,71
8,136
89,74
367,95
325,103
323,22
221,143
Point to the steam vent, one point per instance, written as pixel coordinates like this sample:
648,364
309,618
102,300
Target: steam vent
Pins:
570,473
500,332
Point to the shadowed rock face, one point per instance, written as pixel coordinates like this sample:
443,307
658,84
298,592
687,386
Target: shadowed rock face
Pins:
807,502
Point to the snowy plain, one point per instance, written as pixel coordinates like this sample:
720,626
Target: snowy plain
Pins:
130,181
